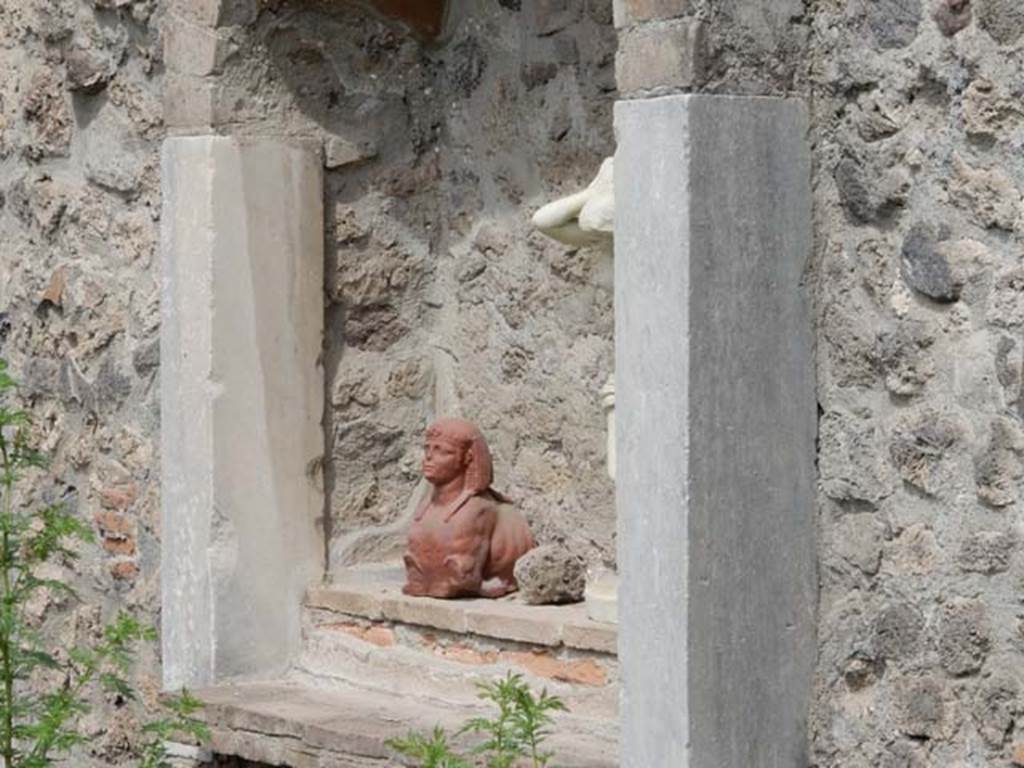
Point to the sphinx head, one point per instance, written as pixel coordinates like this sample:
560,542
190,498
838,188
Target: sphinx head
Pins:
455,448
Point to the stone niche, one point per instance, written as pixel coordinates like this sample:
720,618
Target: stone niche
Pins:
400,177
347,252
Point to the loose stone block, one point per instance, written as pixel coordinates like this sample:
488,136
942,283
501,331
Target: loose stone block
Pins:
629,12
550,574
241,400
716,424
194,49
665,56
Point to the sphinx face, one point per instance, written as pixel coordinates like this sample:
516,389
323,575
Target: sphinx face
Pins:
443,461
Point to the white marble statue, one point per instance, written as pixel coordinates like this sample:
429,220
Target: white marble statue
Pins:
587,218
584,218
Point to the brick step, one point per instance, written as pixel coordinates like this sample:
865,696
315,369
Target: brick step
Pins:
362,631
286,723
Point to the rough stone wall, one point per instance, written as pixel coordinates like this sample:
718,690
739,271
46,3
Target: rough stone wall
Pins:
440,298
918,128
80,124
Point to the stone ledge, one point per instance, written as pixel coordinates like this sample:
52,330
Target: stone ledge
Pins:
281,722
377,595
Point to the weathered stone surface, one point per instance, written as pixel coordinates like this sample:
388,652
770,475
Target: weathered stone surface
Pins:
851,460
964,636
630,12
850,347
920,443
74,309
859,541
989,111
660,57
113,154
284,723
1007,304
952,16
339,152
375,596
988,194
996,708
1002,19
89,70
922,707
905,360
48,115
239,506
988,552
898,631
998,468
870,191
925,268
893,23
551,574
693,179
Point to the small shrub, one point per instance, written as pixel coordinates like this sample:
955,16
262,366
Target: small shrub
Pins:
513,738
37,728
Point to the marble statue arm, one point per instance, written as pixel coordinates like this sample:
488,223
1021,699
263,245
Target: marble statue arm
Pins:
583,218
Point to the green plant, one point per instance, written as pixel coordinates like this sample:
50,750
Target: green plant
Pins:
178,723
515,735
432,751
36,727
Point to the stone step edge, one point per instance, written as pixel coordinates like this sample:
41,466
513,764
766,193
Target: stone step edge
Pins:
504,619
282,722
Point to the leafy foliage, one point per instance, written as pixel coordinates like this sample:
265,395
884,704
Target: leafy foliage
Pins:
512,738
431,751
35,728
178,724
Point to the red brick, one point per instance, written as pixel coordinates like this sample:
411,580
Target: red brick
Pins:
578,671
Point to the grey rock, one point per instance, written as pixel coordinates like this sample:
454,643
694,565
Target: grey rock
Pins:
1002,19
89,71
146,357
376,326
925,268
859,541
903,357
339,152
987,552
952,16
861,672
995,708
114,156
467,67
1006,308
869,192
893,23
964,637
74,388
850,346
919,445
898,631
550,574
850,458
41,376
111,387
922,708
997,471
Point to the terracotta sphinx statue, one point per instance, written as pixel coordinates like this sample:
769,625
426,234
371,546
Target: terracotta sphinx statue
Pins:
465,539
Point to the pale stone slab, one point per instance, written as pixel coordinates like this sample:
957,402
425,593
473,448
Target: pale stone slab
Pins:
241,401
506,619
716,420
282,723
